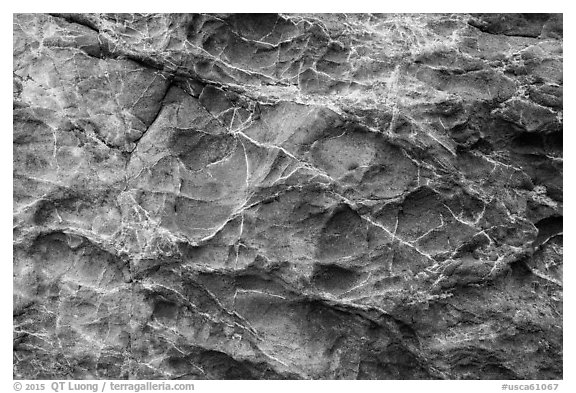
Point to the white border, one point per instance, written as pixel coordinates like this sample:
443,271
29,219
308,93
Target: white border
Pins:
297,6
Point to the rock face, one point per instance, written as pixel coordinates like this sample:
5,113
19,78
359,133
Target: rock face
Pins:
287,196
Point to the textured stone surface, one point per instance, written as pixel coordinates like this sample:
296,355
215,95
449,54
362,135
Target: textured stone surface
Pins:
295,196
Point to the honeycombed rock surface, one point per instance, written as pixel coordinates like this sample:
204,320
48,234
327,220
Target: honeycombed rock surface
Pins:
287,196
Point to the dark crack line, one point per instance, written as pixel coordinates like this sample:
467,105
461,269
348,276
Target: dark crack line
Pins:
76,19
156,116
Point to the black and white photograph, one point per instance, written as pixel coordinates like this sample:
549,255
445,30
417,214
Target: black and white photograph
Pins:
287,196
